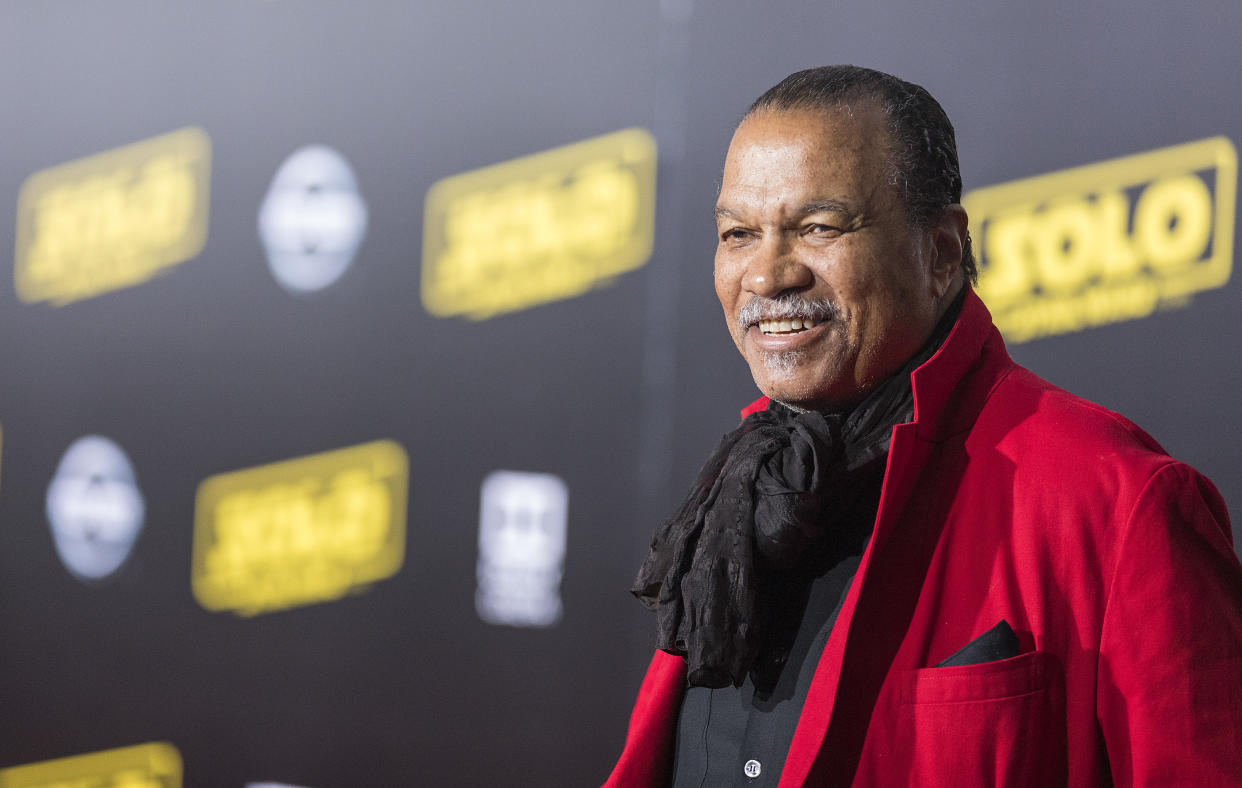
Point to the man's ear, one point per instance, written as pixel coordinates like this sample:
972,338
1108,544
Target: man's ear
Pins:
948,236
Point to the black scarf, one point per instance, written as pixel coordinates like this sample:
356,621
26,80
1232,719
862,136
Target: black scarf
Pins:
762,514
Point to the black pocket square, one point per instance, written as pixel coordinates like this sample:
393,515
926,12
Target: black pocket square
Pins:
999,642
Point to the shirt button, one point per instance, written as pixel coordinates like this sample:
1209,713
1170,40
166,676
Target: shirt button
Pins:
752,768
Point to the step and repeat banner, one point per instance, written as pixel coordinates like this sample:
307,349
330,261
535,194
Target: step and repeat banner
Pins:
351,353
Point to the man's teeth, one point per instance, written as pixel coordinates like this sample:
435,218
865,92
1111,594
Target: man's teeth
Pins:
786,326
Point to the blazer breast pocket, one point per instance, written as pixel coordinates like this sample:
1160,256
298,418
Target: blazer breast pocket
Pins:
992,723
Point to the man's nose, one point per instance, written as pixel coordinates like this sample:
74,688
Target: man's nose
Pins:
775,268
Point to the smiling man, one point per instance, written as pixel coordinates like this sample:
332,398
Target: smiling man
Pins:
806,212
915,562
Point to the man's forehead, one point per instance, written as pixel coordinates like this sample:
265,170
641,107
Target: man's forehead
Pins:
814,206
810,160
862,119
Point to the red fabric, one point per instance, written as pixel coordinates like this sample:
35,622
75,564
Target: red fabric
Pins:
1007,497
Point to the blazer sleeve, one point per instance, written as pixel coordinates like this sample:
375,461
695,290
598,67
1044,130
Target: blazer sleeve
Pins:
1169,698
645,761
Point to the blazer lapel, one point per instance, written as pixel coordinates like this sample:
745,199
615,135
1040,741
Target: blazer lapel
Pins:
853,665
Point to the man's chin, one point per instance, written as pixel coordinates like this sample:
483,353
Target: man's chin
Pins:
786,392
799,391
787,368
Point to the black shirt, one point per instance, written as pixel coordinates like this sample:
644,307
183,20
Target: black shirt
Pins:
739,736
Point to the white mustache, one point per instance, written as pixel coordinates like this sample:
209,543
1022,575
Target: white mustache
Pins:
786,307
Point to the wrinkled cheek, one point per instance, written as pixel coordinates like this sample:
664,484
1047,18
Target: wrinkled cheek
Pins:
728,275
730,307
721,277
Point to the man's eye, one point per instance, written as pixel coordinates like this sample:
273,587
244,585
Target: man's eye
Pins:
734,234
822,229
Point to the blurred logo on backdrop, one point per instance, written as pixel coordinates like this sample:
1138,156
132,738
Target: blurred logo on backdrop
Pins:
300,531
112,220
95,508
1107,242
522,530
312,220
154,765
540,228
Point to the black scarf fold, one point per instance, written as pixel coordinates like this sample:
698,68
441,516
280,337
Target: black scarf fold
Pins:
761,514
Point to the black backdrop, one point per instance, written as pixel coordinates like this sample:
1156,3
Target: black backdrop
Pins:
212,367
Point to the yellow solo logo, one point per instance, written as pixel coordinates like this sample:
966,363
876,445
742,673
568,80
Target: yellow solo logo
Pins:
300,531
540,228
154,765
112,220
1107,242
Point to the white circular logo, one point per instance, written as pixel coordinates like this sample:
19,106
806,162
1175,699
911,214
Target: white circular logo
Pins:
94,507
312,220
752,768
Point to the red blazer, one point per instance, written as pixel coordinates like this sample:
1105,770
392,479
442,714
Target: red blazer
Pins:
1007,497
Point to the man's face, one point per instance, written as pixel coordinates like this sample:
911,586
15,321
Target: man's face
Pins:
806,213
